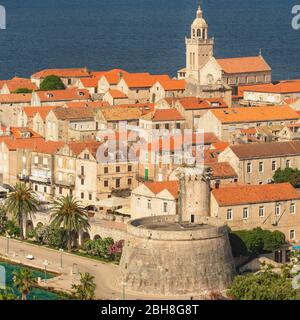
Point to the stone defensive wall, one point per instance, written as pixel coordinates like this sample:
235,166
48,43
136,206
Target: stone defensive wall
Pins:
162,257
162,228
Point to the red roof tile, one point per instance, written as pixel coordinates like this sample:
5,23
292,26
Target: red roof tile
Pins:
247,194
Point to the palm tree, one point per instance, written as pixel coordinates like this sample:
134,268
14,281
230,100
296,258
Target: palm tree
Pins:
68,214
22,202
24,281
86,289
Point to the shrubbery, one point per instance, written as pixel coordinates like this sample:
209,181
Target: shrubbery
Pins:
52,83
46,235
104,248
256,241
266,285
287,175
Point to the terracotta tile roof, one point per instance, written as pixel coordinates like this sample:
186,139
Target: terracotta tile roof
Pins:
209,138
164,115
157,187
47,147
211,156
62,73
173,85
15,98
113,76
78,147
80,104
74,113
17,132
223,170
266,150
117,94
143,80
27,143
121,114
43,111
244,65
19,83
247,194
193,103
90,82
254,114
146,107
63,95
220,146
35,144
281,88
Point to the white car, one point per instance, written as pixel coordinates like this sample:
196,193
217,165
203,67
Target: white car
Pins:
30,257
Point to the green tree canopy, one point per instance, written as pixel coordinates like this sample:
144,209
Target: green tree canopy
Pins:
287,175
52,83
68,214
85,290
22,202
23,90
256,241
24,281
266,285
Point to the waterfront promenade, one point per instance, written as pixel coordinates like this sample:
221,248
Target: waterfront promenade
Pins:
104,273
108,288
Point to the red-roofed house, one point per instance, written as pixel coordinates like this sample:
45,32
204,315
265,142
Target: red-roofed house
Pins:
69,76
115,97
192,108
58,97
154,199
137,86
10,86
271,207
165,120
245,70
271,93
167,89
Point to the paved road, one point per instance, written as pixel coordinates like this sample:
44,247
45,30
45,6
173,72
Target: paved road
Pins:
105,274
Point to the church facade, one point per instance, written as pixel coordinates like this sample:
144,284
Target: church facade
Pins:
207,77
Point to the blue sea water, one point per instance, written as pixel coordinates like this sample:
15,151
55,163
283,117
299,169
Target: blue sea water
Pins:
36,293
142,35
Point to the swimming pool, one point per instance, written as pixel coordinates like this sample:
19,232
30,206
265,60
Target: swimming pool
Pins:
36,293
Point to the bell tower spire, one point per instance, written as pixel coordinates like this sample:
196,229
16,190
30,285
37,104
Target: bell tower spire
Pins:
199,47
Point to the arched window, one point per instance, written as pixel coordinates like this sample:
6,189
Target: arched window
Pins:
199,33
194,33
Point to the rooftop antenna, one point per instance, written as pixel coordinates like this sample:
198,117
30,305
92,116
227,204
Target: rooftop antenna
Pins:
260,52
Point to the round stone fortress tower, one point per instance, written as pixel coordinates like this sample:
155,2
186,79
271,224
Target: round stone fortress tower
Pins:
187,254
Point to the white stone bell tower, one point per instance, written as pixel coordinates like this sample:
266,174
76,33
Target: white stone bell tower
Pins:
199,48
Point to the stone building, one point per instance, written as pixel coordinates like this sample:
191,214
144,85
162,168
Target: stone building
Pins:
257,163
69,77
226,123
154,199
184,255
203,74
271,207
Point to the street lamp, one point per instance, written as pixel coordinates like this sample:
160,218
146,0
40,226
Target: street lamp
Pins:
7,244
61,257
124,288
45,266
